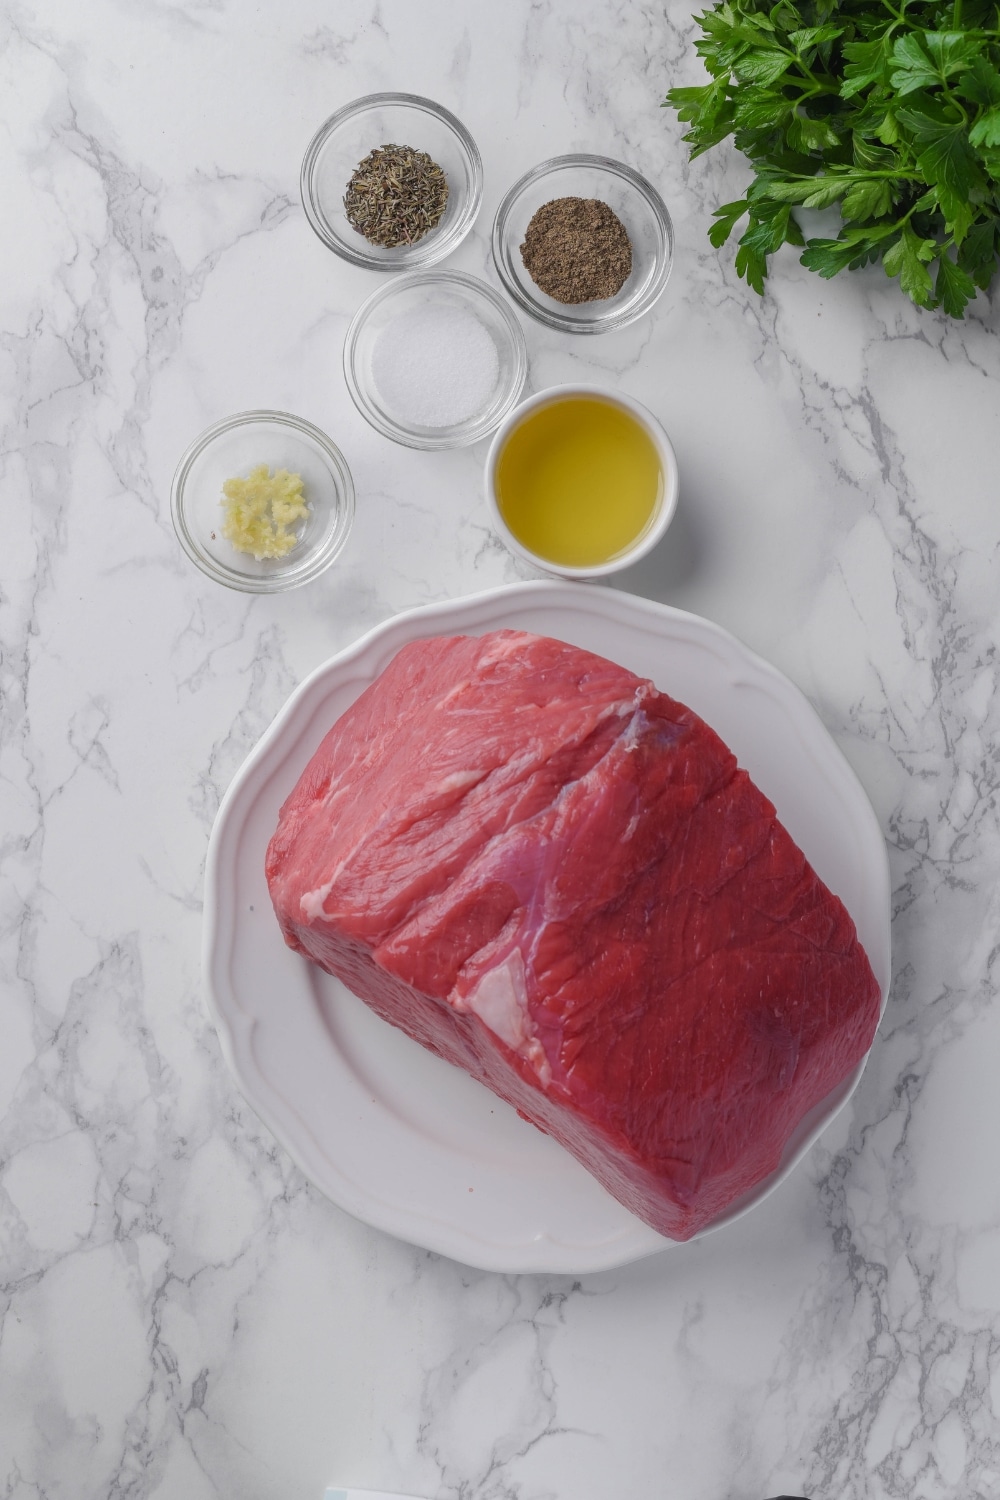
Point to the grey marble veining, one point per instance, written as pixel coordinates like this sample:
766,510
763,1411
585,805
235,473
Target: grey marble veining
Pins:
181,1314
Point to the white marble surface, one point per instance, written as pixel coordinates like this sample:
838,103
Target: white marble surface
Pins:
183,1316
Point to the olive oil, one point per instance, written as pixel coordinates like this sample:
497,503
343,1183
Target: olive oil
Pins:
579,481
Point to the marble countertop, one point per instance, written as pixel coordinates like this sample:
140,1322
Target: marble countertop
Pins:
183,1315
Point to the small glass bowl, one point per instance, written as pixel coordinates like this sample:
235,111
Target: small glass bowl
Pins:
407,294
400,120
631,197
230,449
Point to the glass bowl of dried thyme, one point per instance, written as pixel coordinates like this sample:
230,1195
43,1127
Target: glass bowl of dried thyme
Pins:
583,243
392,182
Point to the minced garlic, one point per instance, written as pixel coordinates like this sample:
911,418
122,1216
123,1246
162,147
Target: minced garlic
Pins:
261,511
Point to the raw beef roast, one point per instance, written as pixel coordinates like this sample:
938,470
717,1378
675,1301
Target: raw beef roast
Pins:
557,878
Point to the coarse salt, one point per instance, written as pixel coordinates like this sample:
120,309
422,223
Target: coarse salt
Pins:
435,366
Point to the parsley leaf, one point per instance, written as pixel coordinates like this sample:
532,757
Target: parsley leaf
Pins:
946,155
954,287
986,130
725,221
980,84
869,198
907,259
761,65
978,252
866,63
914,69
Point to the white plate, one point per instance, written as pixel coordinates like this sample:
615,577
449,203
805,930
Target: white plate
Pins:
390,1132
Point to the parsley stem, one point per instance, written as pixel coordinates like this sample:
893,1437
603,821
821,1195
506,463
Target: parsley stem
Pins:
953,98
857,174
818,87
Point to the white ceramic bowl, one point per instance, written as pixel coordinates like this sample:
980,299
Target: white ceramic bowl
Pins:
666,506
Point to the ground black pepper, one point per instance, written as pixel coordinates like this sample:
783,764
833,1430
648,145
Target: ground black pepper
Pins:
577,250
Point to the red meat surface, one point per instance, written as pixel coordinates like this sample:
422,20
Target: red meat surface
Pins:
557,877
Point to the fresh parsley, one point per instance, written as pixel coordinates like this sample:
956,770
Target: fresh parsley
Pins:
887,108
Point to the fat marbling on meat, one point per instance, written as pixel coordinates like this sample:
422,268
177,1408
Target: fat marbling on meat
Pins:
557,878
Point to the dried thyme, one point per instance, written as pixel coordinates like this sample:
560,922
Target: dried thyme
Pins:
395,196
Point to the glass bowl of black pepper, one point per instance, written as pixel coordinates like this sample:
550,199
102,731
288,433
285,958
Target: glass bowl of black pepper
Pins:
392,182
583,244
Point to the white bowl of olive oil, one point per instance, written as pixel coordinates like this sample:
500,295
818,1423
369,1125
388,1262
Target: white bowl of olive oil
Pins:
581,481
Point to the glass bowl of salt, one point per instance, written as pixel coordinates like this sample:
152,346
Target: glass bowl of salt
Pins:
435,359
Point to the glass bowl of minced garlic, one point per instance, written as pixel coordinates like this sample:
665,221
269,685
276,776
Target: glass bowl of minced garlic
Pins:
262,501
